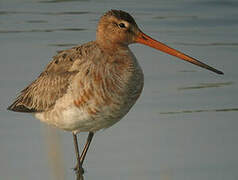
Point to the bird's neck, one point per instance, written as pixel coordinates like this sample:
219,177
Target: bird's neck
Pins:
109,42
111,47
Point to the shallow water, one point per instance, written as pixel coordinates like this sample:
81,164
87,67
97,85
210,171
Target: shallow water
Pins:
184,126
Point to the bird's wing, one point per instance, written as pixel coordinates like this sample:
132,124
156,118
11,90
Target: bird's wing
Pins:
52,83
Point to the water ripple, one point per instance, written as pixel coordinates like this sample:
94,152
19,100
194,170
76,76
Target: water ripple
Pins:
208,44
36,21
201,110
42,30
59,1
45,13
63,45
175,17
207,85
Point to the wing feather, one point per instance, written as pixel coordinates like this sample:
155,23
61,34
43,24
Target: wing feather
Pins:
42,94
52,84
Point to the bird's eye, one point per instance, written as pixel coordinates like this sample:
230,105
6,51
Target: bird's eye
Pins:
122,25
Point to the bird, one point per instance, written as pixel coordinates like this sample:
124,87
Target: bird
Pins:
91,86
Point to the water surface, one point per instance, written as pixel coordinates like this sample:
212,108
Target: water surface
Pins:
183,127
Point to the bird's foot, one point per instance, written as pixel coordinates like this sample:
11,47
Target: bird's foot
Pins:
78,170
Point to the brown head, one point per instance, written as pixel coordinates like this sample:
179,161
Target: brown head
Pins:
117,28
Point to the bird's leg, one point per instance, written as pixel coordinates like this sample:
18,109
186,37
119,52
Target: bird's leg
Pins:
85,149
80,159
79,170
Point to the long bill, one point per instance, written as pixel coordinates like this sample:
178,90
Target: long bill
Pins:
145,39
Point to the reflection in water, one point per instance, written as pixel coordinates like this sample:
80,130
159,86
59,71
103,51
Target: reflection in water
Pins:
207,85
42,30
201,110
55,154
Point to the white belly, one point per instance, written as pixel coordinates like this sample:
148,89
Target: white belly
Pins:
72,118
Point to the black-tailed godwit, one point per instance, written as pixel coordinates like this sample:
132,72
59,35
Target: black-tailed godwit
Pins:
92,86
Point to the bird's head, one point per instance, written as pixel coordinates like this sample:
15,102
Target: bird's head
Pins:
118,28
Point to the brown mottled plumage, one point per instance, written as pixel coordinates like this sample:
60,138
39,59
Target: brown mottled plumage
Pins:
94,85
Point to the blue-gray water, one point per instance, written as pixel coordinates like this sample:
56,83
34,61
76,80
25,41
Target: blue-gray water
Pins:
184,126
